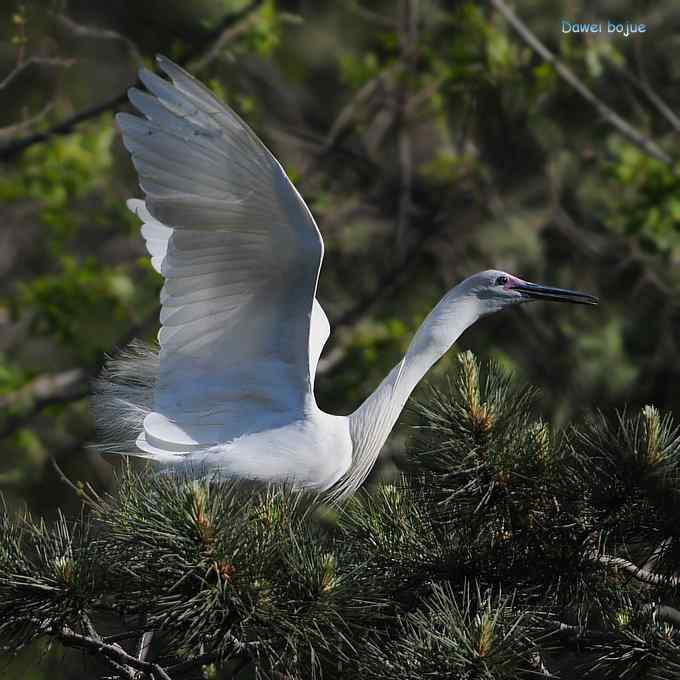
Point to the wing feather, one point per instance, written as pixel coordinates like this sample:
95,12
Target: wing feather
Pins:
240,252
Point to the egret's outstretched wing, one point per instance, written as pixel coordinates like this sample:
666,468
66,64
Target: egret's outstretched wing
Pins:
240,253
157,235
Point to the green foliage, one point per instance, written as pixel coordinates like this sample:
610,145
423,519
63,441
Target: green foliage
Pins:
82,296
493,551
46,576
630,469
212,564
503,53
513,169
12,375
33,451
477,409
468,636
375,348
58,173
264,35
646,204
356,72
492,496
649,654
604,356
19,21
449,168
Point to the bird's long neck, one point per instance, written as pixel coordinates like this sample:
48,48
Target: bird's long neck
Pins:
373,421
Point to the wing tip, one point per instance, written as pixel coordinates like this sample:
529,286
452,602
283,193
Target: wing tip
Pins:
151,79
122,117
134,204
144,74
168,66
135,93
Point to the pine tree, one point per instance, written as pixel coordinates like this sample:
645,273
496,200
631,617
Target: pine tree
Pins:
504,551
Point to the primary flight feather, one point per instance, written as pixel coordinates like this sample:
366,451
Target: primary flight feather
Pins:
231,389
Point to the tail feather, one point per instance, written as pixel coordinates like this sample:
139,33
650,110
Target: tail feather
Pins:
123,397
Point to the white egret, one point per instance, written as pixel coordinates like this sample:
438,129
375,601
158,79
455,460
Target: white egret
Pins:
231,390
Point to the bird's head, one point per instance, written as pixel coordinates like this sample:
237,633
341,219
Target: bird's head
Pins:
496,290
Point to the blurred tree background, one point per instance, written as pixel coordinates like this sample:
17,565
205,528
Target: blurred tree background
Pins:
430,140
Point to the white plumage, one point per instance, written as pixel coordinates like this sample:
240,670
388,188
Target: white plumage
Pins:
230,390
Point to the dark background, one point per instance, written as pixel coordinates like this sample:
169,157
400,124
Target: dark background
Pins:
430,141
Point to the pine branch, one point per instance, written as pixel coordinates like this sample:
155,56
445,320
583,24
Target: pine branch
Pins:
582,634
190,664
638,572
111,652
476,553
122,637
144,646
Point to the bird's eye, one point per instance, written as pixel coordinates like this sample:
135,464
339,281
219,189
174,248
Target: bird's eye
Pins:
501,280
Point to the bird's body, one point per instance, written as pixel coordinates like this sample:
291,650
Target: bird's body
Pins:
231,389
319,443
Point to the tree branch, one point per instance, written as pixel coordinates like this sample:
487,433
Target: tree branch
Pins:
582,634
539,663
626,129
190,664
116,637
11,130
96,33
664,612
242,653
367,15
110,652
33,61
385,288
56,388
638,572
10,151
126,669
343,121
645,85
145,645
408,37
228,34
43,391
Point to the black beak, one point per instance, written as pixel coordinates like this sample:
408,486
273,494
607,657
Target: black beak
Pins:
533,290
